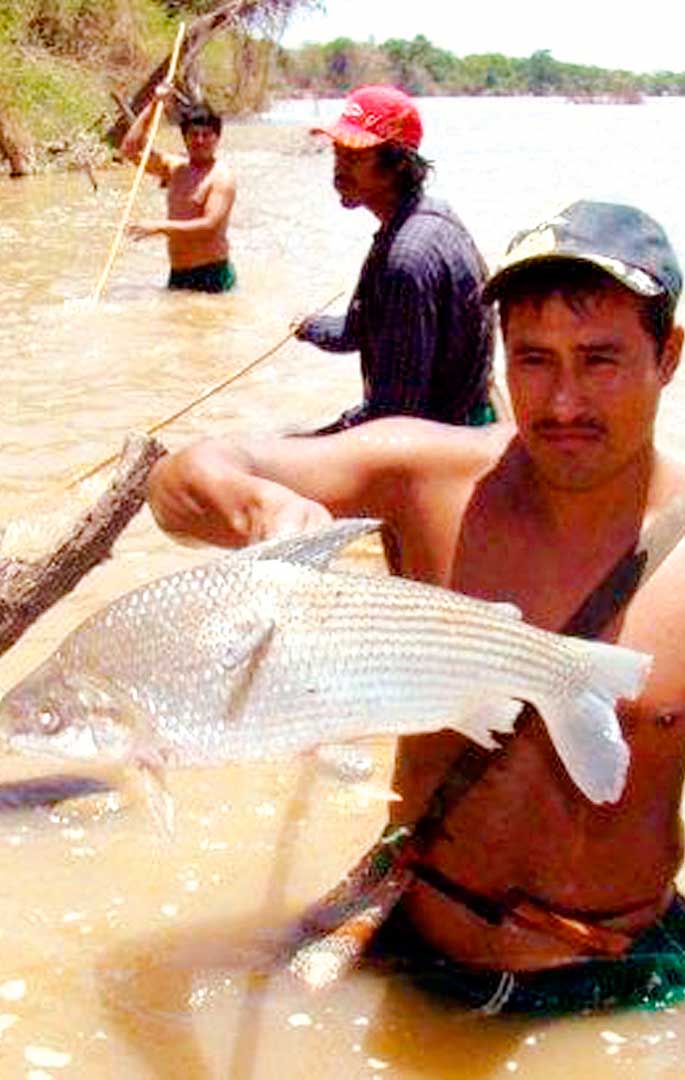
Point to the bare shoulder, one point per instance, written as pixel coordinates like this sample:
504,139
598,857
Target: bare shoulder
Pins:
670,472
222,176
666,503
655,619
425,474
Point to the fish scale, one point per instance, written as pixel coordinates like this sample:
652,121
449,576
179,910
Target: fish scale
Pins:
267,652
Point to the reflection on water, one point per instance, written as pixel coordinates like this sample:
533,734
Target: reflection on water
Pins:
125,954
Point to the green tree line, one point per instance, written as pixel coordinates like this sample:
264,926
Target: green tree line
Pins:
422,68
61,61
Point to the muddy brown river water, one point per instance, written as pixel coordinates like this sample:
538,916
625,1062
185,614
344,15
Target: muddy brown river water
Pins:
127,955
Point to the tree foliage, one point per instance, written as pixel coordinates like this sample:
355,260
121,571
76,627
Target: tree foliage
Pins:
62,60
421,68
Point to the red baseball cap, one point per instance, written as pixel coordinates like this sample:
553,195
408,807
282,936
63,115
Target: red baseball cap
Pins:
374,115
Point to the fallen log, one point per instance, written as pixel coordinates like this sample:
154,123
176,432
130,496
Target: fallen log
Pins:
238,13
27,589
197,36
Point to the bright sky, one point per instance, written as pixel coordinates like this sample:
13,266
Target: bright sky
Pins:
607,33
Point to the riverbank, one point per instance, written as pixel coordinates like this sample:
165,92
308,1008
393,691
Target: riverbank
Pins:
69,71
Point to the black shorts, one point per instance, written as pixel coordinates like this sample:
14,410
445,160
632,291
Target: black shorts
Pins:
215,277
651,975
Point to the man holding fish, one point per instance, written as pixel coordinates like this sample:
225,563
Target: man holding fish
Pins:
537,515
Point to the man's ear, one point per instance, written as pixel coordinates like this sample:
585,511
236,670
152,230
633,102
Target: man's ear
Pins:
670,355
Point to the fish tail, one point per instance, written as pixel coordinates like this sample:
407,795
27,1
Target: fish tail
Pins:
614,671
584,727
587,736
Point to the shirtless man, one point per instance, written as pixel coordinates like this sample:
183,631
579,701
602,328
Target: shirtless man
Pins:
535,514
200,197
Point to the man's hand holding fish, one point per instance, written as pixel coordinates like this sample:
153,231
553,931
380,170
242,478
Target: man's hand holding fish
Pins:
214,497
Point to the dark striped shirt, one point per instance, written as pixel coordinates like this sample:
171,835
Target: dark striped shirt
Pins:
417,318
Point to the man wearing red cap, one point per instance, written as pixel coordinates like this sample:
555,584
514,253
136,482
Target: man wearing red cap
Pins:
417,316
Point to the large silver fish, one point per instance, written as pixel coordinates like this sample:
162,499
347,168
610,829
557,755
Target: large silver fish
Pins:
266,652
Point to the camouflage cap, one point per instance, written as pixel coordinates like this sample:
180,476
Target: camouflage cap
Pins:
621,240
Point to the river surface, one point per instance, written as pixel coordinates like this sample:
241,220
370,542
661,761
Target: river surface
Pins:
124,954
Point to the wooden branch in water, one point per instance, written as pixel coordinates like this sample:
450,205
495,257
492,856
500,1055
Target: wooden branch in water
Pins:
27,589
126,110
200,31
115,134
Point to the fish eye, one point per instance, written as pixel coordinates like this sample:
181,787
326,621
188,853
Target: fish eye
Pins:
49,722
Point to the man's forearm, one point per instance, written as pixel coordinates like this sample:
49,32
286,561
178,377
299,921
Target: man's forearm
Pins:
220,493
200,226
134,139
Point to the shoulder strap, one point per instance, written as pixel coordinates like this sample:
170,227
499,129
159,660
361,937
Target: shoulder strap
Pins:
588,621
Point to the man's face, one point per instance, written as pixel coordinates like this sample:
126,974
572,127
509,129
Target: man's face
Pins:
201,142
584,383
359,178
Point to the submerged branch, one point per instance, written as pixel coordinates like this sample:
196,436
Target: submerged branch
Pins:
27,589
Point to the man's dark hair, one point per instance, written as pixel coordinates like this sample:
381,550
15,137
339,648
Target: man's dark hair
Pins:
576,283
201,115
410,168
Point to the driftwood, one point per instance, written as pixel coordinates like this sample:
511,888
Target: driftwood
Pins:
197,36
10,149
234,13
27,589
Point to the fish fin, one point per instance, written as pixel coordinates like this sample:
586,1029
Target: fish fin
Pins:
587,737
315,548
158,798
345,761
478,719
244,652
149,762
585,729
247,656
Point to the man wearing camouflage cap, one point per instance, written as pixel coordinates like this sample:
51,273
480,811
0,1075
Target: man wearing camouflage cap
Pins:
524,895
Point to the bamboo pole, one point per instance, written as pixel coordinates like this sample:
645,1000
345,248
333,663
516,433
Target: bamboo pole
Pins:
152,132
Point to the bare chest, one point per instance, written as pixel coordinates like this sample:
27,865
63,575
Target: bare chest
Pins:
514,567
188,192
